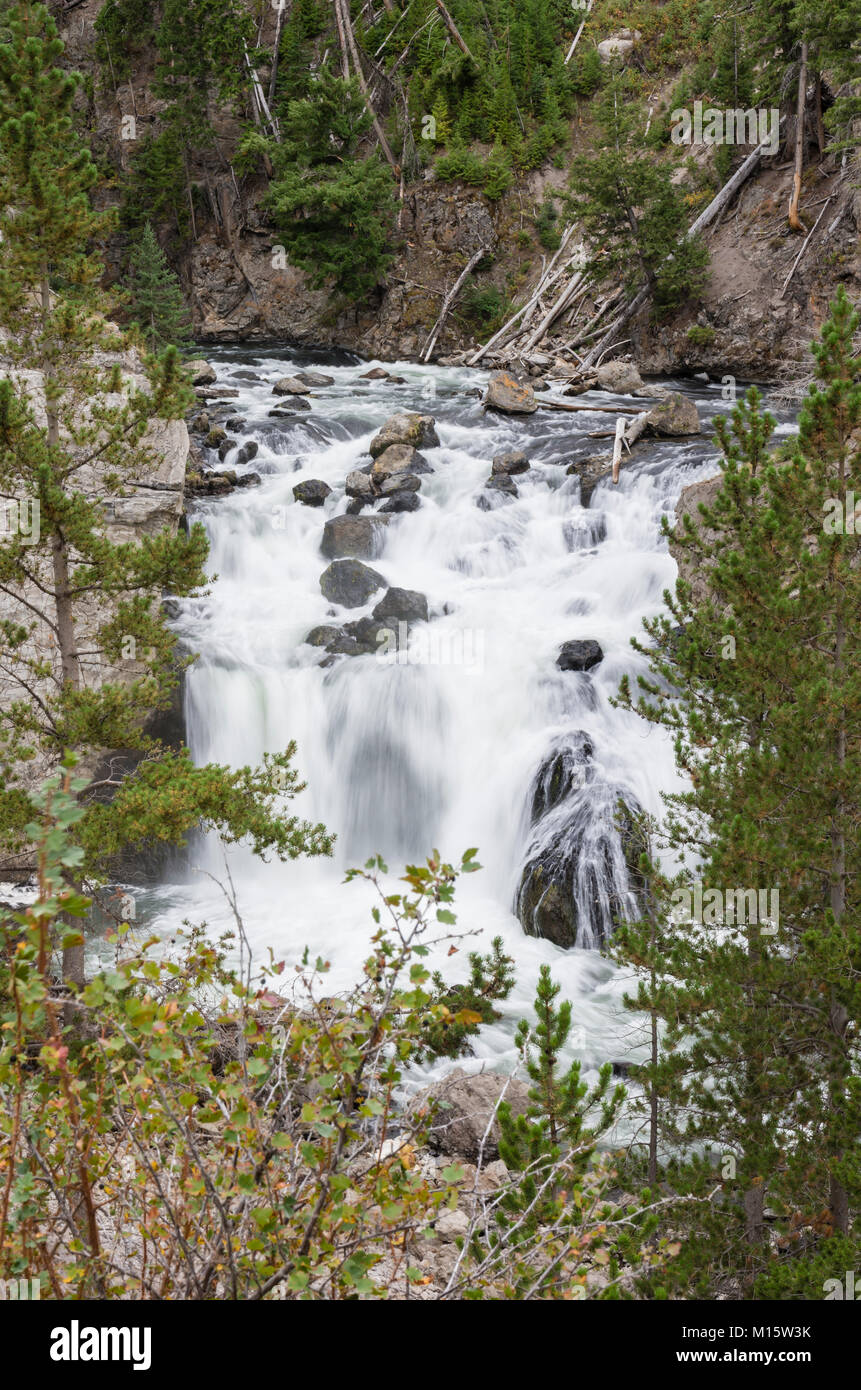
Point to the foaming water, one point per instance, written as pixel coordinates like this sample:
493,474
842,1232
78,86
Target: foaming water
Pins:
440,748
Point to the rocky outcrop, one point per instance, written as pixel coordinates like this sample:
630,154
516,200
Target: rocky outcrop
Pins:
692,497
398,458
582,869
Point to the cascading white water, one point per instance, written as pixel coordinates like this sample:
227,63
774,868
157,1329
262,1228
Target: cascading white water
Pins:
439,751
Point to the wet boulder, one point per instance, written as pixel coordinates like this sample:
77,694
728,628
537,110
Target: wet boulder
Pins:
359,484
590,471
408,427
511,397
622,378
312,493
344,536
314,381
289,386
673,418
579,655
249,450
321,636
503,483
200,372
226,445
401,606
297,403
509,464
349,583
216,437
401,502
581,874
368,635
400,482
399,458
376,374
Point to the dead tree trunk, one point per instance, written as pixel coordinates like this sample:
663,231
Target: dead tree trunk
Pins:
449,300
453,29
570,54
282,11
345,28
795,221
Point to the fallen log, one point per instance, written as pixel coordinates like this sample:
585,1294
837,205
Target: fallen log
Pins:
588,409
797,260
547,278
558,307
449,300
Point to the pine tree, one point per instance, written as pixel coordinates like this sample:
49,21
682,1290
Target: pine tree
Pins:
627,204
87,655
760,684
557,1120
334,211
156,297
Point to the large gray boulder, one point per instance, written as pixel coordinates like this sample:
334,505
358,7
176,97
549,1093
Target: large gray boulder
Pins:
509,396
465,1124
516,462
675,417
359,485
401,501
314,380
400,482
579,655
350,583
582,869
200,372
360,536
620,377
406,428
399,458
289,386
401,606
313,492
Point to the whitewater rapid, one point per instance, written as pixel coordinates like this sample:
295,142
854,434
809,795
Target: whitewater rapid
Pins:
439,752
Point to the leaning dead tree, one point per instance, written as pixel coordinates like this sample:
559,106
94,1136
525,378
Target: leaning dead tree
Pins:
350,51
549,277
450,299
570,54
453,30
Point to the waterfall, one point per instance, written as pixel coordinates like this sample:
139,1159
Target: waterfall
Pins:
453,743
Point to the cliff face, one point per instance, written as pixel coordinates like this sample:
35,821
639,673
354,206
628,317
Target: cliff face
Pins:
240,288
